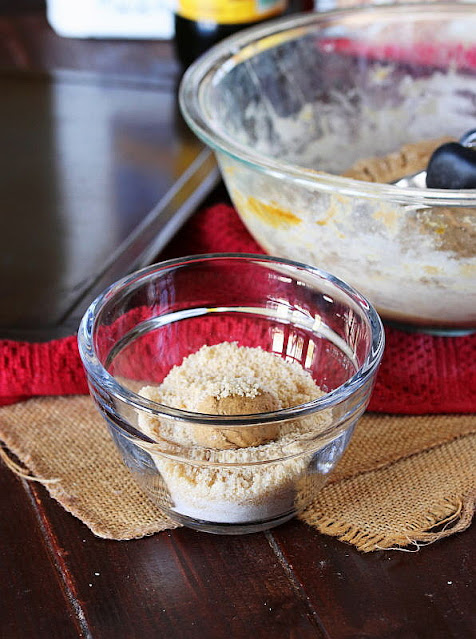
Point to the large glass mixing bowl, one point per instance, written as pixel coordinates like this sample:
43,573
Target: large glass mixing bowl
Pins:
291,107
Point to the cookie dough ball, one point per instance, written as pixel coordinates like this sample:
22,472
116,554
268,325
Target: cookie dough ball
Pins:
235,404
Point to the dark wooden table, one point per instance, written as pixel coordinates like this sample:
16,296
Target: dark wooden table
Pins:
59,581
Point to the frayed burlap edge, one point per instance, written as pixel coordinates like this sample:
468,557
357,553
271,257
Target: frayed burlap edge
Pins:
63,443
103,529
453,517
437,501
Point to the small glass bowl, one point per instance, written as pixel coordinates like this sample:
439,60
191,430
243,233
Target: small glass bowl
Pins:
144,325
291,106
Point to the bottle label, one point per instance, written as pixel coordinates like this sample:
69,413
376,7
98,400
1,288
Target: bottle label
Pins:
229,11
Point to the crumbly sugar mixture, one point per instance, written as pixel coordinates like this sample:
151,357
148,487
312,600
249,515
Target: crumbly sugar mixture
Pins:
456,230
227,369
227,379
409,159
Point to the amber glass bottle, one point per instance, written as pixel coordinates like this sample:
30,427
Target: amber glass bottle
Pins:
201,23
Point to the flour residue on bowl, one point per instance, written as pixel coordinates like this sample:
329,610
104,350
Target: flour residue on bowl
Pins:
381,107
414,263
235,474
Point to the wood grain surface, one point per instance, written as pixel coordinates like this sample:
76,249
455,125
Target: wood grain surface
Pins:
62,581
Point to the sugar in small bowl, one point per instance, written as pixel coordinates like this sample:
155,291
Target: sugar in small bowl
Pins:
231,383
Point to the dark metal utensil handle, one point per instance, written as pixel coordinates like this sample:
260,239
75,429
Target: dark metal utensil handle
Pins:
453,165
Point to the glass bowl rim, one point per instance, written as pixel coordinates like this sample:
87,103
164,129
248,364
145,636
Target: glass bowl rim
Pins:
104,380
219,59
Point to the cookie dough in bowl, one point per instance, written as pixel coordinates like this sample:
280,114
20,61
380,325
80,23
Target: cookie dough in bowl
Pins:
314,117
418,265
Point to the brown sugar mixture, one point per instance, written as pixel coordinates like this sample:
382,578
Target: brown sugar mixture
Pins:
411,158
453,226
227,379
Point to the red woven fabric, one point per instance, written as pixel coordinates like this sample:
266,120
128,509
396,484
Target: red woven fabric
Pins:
434,54
419,373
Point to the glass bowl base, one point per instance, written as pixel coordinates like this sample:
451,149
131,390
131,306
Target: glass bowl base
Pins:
219,528
442,331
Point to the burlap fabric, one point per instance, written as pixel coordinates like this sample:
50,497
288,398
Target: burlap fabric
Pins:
405,480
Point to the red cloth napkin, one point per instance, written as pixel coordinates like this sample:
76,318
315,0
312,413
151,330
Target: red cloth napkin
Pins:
419,373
